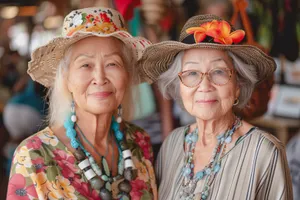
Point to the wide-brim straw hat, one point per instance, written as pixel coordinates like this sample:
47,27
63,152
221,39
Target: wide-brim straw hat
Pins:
80,24
157,58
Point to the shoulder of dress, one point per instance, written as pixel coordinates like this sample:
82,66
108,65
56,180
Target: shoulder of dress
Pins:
132,130
268,139
175,138
176,134
37,140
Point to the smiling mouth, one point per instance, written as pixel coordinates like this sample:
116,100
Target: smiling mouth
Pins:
101,95
206,101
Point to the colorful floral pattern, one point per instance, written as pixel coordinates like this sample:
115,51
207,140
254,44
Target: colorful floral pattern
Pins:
99,22
18,188
43,168
220,31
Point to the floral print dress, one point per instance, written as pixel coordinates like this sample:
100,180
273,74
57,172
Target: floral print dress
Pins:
43,168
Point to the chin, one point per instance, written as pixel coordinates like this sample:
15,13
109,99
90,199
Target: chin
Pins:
100,110
207,114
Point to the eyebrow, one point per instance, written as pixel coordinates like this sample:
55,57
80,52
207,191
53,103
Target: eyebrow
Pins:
83,55
218,60
190,62
215,60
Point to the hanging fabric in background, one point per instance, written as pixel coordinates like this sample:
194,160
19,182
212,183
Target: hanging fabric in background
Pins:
284,13
146,102
126,7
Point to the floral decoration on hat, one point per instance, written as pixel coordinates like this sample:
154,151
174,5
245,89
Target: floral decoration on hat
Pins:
99,21
220,31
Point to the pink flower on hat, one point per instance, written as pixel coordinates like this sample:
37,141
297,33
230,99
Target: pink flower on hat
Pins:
220,31
223,35
200,32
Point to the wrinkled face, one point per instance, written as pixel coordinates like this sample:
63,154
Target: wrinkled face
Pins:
207,100
97,75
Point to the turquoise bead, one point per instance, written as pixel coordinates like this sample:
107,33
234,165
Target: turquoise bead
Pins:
228,139
207,171
199,175
217,168
104,177
194,138
74,143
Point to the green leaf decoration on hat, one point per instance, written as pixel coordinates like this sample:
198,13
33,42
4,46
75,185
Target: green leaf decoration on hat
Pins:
83,17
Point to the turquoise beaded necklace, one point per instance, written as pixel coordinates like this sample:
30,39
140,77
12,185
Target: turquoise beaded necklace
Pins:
95,150
101,179
190,179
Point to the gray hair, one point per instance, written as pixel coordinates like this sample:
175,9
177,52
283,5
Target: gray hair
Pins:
169,83
60,97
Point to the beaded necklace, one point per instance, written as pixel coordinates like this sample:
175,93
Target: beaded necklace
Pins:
95,150
100,178
190,179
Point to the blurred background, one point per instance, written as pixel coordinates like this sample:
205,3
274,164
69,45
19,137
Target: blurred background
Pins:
272,25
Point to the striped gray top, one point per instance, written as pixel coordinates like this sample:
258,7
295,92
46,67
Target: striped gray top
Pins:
255,168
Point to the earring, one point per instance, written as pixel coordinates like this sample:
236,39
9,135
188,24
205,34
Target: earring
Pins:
236,102
73,114
119,118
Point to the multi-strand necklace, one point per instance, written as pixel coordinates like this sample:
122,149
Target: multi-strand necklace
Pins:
100,177
190,179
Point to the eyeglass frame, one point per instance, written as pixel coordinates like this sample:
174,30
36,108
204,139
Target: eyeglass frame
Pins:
205,74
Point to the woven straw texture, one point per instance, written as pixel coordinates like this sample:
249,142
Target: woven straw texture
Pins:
158,57
80,24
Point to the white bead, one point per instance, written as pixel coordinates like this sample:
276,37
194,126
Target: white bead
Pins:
89,174
73,118
84,164
126,153
119,119
129,163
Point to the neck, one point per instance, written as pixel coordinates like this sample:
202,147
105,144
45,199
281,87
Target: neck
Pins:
208,130
95,127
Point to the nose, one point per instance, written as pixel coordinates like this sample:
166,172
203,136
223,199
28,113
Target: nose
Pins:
99,76
205,85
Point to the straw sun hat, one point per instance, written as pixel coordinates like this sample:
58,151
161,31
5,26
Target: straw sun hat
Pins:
204,31
80,24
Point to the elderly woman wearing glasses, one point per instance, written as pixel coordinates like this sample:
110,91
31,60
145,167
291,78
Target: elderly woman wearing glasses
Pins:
220,156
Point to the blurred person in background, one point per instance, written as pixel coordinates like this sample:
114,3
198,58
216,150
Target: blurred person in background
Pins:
23,114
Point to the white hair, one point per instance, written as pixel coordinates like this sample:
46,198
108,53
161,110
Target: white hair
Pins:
60,97
169,82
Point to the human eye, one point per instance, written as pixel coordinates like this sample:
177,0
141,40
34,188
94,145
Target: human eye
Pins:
219,72
191,73
85,65
112,64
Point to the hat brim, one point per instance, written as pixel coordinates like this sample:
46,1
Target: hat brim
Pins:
157,58
45,59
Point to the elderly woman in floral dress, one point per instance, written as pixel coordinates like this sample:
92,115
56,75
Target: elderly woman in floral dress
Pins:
220,157
88,151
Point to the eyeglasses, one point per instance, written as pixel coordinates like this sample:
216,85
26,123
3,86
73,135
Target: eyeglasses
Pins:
218,76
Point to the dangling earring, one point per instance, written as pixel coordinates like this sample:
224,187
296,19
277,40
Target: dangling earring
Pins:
119,118
73,114
236,102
